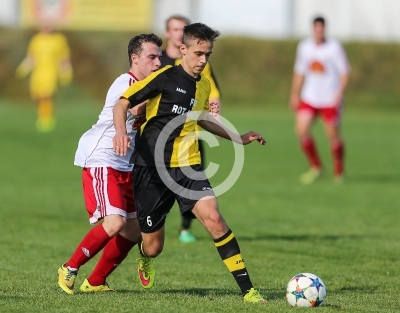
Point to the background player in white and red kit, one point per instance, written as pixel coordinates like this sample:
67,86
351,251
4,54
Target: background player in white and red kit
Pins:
107,182
321,74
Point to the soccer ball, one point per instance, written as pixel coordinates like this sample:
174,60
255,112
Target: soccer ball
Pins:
305,290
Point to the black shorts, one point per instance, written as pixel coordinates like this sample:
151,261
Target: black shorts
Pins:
154,195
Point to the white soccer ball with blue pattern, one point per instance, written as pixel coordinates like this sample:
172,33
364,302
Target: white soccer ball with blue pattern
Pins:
306,290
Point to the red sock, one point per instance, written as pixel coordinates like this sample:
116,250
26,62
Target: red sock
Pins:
94,241
114,253
338,157
310,151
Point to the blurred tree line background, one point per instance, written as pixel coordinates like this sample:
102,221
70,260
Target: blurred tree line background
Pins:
250,72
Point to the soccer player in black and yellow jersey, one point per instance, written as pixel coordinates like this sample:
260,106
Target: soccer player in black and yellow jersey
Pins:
172,56
167,160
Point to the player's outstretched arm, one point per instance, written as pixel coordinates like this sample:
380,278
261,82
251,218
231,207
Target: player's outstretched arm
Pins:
65,72
24,68
297,83
252,136
209,123
344,80
121,140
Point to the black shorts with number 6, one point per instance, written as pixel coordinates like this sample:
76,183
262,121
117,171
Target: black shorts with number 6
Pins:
155,193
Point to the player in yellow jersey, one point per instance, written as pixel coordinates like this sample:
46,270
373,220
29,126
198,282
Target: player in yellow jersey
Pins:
172,56
48,62
167,165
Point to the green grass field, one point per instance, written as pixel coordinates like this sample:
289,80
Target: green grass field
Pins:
347,234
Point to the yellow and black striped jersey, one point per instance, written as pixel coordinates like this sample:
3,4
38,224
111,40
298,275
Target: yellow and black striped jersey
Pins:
207,72
176,99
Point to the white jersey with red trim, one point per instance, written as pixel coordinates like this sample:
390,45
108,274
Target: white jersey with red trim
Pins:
322,65
95,147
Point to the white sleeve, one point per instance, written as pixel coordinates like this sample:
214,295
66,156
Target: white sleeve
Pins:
340,60
119,86
300,64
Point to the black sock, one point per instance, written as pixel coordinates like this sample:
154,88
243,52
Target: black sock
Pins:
186,222
228,249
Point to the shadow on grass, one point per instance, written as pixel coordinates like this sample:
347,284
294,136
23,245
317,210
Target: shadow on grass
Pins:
304,237
10,297
333,306
354,289
211,293
375,178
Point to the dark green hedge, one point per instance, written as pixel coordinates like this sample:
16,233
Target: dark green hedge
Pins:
249,71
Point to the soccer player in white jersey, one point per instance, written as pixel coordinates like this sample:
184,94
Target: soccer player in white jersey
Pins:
321,74
107,182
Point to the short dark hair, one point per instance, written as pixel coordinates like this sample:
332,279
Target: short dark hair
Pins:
135,44
319,19
199,31
176,17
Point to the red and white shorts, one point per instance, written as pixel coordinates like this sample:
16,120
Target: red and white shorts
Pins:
330,115
106,192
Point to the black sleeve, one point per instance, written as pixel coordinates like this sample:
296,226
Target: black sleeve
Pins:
145,89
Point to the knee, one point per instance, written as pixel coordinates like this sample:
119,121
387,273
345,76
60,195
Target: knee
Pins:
216,225
332,132
215,218
333,136
208,214
301,132
214,222
114,226
115,229
303,126
153,251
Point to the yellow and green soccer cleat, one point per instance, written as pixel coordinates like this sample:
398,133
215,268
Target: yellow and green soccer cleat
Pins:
310,176
146,271
253,296
66,279
45,125
87,287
